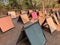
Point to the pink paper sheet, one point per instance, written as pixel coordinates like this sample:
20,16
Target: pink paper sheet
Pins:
34,15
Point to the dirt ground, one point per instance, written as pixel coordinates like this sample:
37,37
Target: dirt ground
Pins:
51,39
11,37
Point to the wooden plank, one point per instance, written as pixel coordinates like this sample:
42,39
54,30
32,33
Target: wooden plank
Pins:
24,18
6,23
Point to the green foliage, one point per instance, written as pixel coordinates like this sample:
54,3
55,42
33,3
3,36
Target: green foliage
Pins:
13,3
50,3
25,4
28,4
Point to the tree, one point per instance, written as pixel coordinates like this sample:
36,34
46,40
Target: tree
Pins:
13,4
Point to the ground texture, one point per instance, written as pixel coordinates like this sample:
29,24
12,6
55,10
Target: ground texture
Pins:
12,36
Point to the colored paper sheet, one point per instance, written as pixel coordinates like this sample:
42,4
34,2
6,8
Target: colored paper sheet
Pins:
34,15
35,34
6,23
12,14
51,24
24,18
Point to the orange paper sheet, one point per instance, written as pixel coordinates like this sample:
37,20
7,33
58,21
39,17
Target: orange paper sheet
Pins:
25,18
6,23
